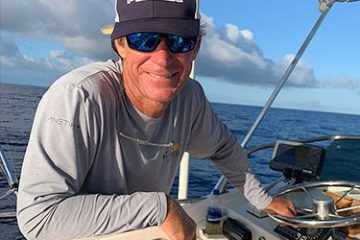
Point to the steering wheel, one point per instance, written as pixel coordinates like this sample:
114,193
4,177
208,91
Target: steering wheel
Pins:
325,212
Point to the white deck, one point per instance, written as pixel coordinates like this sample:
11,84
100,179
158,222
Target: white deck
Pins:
236,207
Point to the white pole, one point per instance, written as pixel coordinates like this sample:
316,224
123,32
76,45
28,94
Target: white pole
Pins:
184,177
184,164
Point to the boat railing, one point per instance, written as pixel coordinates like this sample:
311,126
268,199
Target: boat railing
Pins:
324,7
7,170
252,150
11,179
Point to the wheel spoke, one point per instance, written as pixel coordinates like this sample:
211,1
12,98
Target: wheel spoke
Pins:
335,216
307,192
348,208
344,195
327,218
303,210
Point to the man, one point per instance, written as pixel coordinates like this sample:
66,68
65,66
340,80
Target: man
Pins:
108,137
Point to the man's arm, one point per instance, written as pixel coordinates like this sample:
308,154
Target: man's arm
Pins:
177,224
52,201
212,139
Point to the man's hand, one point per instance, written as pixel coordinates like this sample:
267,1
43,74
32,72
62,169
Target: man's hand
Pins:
178,225
282,206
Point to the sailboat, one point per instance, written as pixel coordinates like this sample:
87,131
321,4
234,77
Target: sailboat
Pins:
328,207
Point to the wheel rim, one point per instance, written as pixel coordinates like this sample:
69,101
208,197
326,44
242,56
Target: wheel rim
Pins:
322,215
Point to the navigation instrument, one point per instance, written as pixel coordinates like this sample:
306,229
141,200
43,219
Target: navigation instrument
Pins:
298,159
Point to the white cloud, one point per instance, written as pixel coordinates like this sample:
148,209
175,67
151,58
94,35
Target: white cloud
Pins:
302,75
342,82
57,62
234,34
13,58
229,53
67,22
56,53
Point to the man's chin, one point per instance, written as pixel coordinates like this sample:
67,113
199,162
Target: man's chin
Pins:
166,98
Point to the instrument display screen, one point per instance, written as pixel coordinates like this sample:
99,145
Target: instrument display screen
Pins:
307,159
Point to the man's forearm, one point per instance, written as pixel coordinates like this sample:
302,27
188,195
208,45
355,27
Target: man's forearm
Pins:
89,215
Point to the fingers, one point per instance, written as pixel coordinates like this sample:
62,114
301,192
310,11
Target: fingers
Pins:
283,207
288,210
292,209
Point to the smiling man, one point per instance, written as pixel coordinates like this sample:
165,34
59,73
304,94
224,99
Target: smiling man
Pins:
112,168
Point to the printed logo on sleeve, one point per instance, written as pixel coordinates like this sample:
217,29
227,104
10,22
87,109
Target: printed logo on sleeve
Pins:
62,122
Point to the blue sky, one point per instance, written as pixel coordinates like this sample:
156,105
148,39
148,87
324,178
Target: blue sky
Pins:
247,47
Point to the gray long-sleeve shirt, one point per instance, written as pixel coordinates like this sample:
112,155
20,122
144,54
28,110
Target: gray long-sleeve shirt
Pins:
80,177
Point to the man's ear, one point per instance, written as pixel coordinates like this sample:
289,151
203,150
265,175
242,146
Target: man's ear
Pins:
119,45
197,47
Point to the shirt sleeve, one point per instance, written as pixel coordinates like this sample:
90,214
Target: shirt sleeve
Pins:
210,138
62,147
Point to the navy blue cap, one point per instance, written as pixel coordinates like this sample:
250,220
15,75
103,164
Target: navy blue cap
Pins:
179,17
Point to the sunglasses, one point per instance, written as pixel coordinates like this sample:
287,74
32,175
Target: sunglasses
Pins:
148,41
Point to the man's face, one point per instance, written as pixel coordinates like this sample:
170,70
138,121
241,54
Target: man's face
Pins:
154,77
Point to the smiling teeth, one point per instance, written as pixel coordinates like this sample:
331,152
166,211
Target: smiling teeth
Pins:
163,76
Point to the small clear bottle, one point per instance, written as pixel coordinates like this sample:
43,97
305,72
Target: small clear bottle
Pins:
215,214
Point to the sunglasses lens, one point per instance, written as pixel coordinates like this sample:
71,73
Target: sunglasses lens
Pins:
148,41
144,42
178,44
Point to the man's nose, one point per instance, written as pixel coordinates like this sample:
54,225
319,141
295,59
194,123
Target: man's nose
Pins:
162,54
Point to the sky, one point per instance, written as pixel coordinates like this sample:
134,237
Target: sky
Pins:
247,48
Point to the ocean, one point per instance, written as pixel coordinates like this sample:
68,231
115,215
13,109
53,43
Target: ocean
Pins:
18,105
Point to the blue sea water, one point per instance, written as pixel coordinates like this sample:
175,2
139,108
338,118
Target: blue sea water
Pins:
18,104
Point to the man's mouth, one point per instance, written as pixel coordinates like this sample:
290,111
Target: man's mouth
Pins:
162,75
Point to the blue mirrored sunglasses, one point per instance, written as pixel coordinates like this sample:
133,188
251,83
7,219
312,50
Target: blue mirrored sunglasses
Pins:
148,41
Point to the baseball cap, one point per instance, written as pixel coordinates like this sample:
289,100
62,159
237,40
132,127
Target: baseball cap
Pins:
178,17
